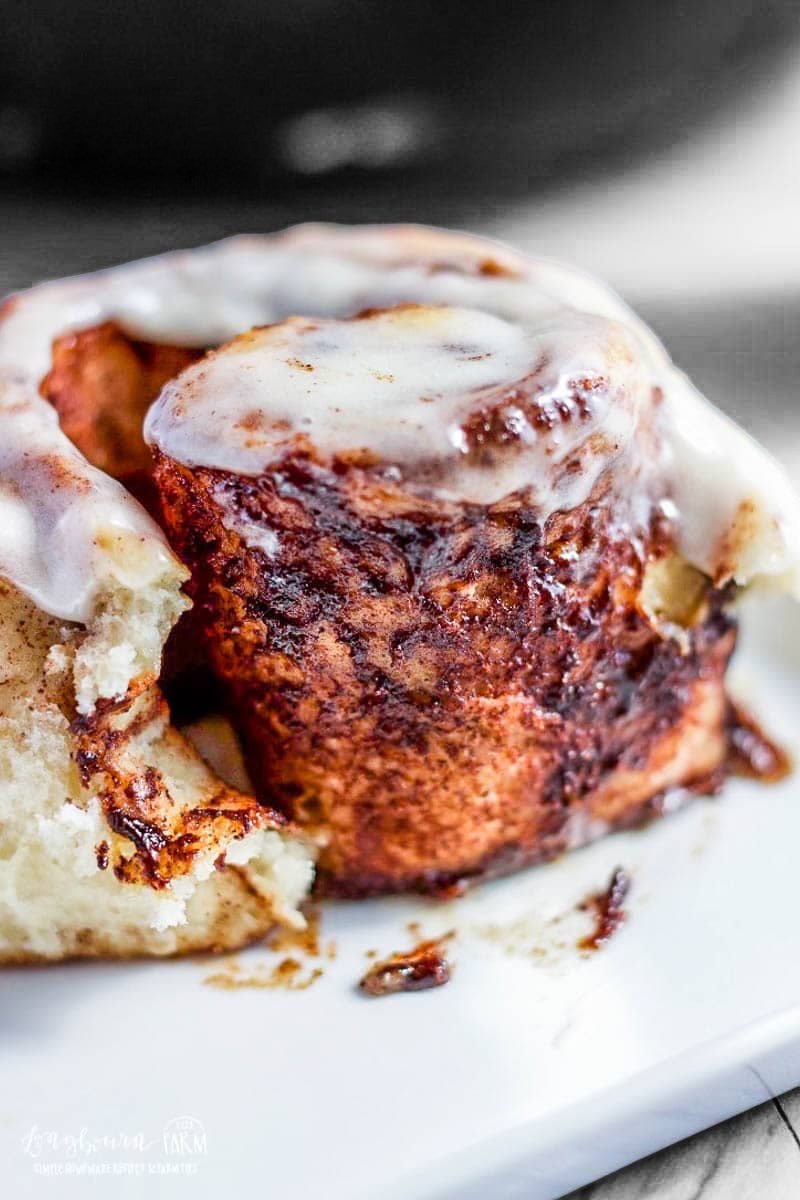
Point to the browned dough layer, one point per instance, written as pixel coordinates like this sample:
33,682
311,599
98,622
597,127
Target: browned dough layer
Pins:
445,690
101,384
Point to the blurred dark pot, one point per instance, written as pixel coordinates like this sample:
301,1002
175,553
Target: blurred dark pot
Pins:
246,90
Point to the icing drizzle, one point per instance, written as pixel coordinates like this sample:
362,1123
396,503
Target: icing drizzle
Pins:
543,328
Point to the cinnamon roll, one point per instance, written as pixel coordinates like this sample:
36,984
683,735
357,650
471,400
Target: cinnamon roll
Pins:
462,544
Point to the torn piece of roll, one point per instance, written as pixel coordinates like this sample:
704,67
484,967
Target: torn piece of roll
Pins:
465,560
116,839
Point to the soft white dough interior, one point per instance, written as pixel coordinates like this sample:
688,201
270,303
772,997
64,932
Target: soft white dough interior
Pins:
55,899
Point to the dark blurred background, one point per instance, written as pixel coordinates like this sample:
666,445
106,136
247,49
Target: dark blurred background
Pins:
255,93
653,143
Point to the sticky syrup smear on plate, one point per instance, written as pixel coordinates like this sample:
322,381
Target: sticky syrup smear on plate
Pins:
286,974
424,966
608,910
292,973
751,753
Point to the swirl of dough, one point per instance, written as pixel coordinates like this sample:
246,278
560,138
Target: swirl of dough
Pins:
457,401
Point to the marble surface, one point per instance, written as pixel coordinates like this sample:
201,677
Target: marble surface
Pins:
751,1157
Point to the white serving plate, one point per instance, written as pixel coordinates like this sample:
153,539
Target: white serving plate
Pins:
533,1071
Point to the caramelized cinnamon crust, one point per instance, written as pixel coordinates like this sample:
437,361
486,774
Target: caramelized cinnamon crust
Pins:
445,690
162,838
101,384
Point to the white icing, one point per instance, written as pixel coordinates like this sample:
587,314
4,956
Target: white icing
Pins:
709,468
207,296
401,383
251,532
66,530
736,510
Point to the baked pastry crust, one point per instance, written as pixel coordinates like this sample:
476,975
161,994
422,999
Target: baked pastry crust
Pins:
446,692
